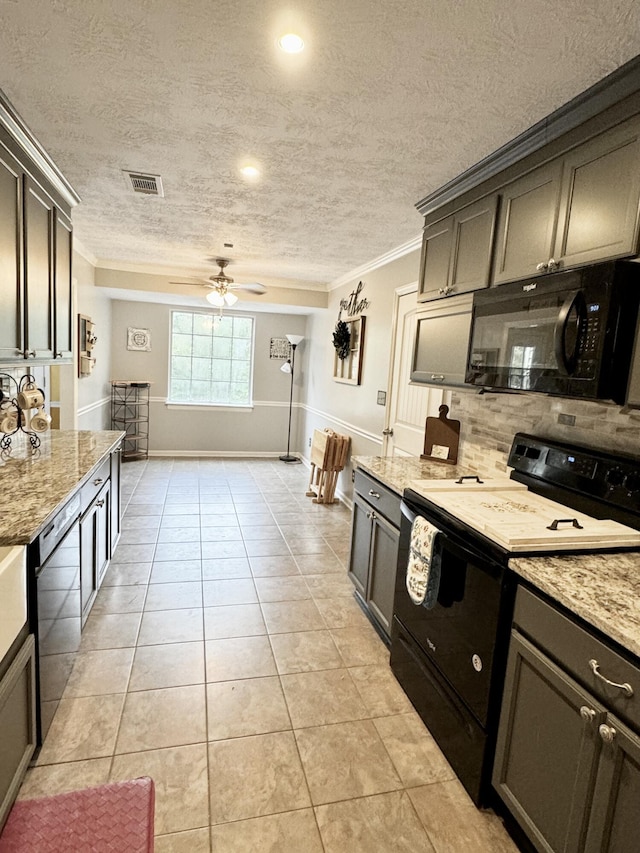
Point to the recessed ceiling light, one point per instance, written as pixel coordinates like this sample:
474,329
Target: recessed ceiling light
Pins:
291,43
250,171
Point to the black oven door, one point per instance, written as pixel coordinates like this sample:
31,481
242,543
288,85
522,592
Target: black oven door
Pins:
459,634
531,336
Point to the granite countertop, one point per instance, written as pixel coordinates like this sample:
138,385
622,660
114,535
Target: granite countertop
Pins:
34,484
603,589
397,472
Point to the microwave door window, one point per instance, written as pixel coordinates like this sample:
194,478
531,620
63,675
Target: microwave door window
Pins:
530,355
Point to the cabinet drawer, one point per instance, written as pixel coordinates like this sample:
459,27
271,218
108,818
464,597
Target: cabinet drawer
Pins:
573,647
385,501
95,482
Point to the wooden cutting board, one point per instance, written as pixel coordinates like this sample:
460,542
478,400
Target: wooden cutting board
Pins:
440,433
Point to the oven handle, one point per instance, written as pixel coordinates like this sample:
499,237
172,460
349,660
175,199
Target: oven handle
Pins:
408,513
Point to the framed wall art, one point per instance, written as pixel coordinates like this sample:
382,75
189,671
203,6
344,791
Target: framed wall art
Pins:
139,339
347,359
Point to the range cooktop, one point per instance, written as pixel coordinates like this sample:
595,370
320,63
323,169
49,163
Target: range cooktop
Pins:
517,519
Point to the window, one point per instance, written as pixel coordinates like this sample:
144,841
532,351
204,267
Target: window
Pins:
211,359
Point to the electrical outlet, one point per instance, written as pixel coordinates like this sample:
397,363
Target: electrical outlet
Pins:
568,420
309,441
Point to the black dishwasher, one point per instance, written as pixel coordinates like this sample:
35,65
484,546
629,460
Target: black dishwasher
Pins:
55,608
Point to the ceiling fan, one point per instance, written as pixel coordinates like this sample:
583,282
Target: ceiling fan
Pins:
222,286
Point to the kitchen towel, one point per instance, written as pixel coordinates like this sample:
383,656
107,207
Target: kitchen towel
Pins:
423,565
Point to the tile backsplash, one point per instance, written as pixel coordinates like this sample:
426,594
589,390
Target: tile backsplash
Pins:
489,421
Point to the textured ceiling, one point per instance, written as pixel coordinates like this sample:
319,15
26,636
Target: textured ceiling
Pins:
390,100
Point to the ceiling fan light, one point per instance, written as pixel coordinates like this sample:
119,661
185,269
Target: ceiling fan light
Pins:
230,298
215,299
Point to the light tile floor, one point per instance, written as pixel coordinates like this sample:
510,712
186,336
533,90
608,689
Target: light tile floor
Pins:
226,657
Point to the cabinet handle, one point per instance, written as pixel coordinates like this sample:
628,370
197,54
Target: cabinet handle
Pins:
371,516
97,481
58,355
626,688
607,733
542,267
553,264
587,713
445,291
373,494
26,353
438,377
100,503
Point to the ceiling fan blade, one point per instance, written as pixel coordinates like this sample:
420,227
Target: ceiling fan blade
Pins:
201,283
250,287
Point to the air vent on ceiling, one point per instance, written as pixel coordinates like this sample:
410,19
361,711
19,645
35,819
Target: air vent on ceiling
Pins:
145,184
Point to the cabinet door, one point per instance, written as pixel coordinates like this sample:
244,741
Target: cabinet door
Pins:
11,315
527,223
382,572
434,262
547,749
473,230
442,342
116,471
615,814
63,302
456,252
600,196
103,531
38,265
88,559
17,723
360,545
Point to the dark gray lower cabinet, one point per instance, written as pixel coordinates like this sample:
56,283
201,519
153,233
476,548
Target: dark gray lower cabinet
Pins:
566,767
17,723
374,552
95,547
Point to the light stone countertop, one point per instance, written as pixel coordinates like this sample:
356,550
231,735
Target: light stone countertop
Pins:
603,589
33,485
397,472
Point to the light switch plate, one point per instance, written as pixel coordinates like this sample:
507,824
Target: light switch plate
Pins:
382,398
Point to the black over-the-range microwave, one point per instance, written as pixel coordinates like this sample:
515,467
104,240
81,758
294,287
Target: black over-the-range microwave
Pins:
568,333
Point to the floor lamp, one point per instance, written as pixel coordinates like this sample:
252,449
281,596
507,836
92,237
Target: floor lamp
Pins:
288,367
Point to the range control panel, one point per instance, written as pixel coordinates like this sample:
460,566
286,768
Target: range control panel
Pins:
613,479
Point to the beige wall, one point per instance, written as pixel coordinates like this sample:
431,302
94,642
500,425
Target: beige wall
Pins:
93,390
208,430
352,409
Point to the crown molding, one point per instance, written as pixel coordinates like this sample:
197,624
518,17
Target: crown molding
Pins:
22,136
376,263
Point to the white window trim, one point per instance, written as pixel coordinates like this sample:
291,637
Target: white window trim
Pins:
220,407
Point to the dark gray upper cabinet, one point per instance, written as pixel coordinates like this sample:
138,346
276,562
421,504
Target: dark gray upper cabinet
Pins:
38,272
456,252
527,223
36,320
600,198
442,341
577,209
11,259
63,287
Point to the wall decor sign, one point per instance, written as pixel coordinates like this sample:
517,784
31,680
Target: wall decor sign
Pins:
279,348
347,361
353,304
139,339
